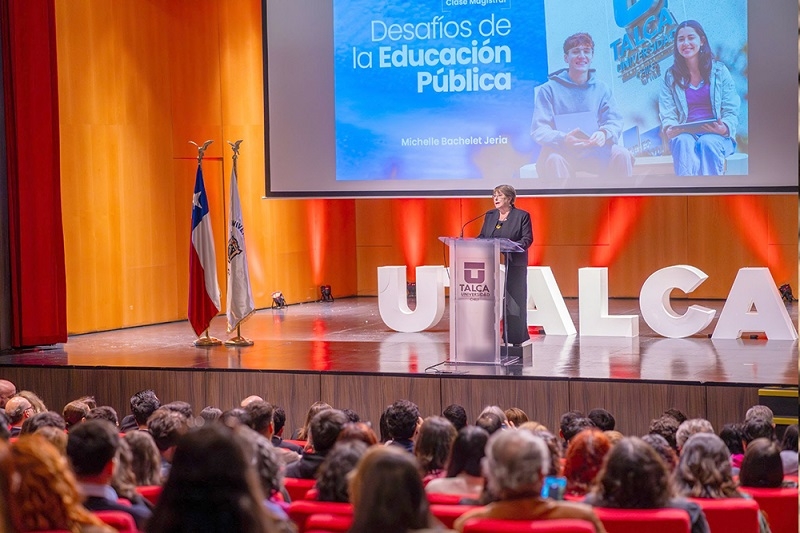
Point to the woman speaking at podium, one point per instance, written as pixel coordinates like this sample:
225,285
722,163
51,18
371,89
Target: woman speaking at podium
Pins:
506,221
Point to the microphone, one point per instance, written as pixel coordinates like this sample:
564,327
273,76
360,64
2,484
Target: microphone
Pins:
470,221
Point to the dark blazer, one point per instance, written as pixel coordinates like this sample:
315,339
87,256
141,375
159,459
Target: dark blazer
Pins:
139,512
517,228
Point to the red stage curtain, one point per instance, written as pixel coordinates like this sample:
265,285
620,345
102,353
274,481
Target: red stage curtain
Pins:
36,240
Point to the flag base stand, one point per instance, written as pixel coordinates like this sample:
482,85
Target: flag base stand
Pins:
207,341
238,340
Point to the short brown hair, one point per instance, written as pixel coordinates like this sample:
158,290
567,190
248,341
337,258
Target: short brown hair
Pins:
507,191
578,39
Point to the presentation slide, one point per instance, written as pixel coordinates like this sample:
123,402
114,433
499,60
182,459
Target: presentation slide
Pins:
453,97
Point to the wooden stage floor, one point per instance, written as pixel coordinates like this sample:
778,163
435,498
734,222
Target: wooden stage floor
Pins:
348,336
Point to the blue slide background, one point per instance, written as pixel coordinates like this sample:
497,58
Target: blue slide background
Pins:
377,107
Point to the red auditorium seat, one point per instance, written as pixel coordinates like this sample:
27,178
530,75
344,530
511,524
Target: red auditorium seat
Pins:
490,525
328,523
300,511
446,499
640,520
150,492
447,514
297,488
119,520
779,506
730,514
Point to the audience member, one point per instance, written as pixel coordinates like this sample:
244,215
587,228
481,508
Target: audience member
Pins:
602,419
358,431
665,426
279,423
435,437
351,415
18,409
89,400
387,494
456,414
143,404
463,471
495,409
761,466
691,427
45,495
323,432
732,436
634,477
789,451
260,420
583,460
213,496
333,473
554,447
104,412
210,413
40,420
704,471
7,391
183,408
316,407
234,417
663,449
575,426
402,421
123,480
55,436
268,467
489,422
5,423
613,436
514,468
676,414
36,402
760,411
145,458
252,398
757,428
74,413
383,427
533,426
166,428
564,422
516,416
92,448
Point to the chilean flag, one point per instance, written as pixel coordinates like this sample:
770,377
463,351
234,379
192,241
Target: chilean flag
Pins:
203,287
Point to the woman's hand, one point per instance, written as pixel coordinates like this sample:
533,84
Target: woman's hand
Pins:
717,127
597,138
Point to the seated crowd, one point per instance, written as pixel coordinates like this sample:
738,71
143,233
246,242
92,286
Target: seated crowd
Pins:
227,470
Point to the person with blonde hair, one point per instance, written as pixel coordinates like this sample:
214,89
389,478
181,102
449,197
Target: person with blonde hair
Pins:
45,496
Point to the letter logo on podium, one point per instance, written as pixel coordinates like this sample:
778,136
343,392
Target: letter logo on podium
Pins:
474,272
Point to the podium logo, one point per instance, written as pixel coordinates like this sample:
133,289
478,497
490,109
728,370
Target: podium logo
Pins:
474,286
474,272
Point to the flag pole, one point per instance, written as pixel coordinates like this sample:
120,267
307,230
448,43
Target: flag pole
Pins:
207,340
238,340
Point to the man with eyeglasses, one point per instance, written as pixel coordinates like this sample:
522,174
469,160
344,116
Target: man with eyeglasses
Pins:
576,121
18,409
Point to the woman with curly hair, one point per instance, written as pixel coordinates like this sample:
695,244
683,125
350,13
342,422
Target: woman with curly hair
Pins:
704,471
38,480
583,460
634,476
332,476
436,436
